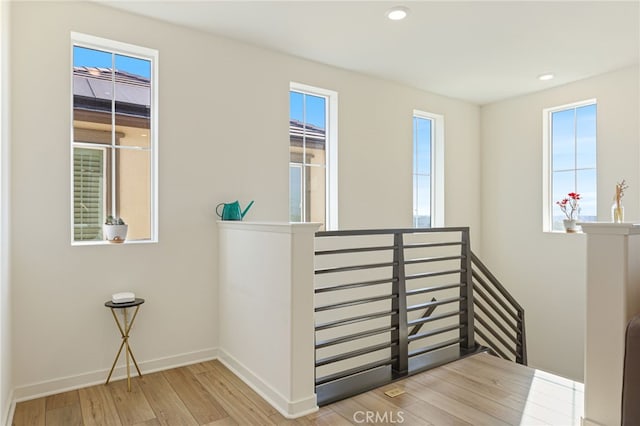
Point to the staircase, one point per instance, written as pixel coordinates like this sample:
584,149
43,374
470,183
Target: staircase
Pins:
391,303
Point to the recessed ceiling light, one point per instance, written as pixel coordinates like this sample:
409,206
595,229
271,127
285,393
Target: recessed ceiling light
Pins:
546,76
397,13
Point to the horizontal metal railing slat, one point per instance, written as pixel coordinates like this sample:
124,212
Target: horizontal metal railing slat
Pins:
352,371
354,336
354,250
435,332
435,303
355,302
435,347
434,318
434,274
353,320
352,354
355,285
432,259
355,267
431,289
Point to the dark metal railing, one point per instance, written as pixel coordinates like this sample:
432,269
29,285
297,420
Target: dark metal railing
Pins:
499,317
377,292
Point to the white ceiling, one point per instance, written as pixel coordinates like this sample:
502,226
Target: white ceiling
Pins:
478,51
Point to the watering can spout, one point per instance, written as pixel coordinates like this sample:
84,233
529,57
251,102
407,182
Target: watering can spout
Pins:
246,209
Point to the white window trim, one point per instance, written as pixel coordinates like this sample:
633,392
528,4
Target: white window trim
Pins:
331,171
437,166
547,161
93,42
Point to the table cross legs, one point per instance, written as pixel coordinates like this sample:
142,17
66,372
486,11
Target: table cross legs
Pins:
124,332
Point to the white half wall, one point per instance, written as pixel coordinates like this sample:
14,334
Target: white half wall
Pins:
266,310
223,135
546,271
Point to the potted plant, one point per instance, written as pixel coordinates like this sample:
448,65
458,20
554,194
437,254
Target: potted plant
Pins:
570,207
115,230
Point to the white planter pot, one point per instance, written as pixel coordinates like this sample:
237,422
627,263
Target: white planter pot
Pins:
115,233
571,226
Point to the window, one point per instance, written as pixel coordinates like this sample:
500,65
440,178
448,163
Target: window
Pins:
428,170
570,132
114,138
313,155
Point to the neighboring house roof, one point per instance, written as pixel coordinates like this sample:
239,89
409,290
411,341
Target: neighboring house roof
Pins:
93,87
315,137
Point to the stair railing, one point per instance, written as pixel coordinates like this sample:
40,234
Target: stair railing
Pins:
499,317
377,293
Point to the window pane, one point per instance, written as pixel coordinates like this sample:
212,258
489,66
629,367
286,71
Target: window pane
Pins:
315,111
133,195
423,145
563,183
563,137
422,196
587,189
133,101
315,194
295,193
586,136
296,108
92,90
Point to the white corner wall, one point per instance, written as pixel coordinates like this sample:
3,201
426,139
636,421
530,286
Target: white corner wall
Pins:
223,136
6,373
546,271
266,291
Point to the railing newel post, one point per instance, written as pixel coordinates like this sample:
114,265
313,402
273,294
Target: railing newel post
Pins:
399,305
467,332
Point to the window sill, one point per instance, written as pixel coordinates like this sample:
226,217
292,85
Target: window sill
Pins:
107,243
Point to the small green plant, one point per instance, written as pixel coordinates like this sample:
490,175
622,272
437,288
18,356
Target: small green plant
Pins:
114,221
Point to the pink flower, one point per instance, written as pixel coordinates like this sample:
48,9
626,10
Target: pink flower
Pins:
569,206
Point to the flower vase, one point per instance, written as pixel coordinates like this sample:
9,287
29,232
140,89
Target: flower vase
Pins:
617,213
570,225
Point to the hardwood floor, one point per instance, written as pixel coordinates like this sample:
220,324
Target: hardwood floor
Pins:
479,390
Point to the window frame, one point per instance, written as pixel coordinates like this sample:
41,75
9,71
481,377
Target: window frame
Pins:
126,49
437,168
547,155
331,133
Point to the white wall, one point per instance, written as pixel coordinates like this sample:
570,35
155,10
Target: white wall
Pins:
546,271
6,380
223,135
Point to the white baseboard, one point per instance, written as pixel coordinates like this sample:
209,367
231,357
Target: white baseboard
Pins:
9,409
289,409
63,384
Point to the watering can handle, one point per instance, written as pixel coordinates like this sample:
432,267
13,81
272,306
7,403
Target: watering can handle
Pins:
217,212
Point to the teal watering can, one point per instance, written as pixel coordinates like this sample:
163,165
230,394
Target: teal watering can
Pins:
232,211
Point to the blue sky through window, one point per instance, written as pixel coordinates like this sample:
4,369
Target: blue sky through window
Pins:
83,56
308,108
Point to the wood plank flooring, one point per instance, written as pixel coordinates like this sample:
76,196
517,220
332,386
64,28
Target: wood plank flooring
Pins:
478,390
